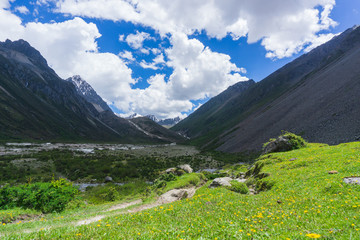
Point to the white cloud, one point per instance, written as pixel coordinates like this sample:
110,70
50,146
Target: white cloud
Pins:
317,41
22,9
146,65
198,71
136,41
155,64
127,55
284,27
121,37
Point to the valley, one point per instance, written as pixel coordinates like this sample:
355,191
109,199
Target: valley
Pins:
304,196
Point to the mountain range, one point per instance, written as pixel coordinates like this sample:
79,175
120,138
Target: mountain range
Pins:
36,104
317,96
167,123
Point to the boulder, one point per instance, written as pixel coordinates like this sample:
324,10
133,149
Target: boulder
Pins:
186,168
352,180
218,182
108,179
170,170
174,195
281,144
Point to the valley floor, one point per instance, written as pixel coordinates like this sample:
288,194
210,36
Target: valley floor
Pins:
306,198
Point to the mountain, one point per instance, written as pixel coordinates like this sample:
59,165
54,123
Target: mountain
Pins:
155,130
85,90
316,95
207,117
36,104
169,122
152,117
135,115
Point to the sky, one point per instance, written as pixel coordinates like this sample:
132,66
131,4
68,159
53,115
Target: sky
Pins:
167,58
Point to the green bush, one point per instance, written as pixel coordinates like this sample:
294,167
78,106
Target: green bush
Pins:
161,181
294,142
45,197
212,176
238,187
264,184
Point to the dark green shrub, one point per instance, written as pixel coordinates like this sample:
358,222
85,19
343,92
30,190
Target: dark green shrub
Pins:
46,197
285,142
161,181
264,184
212,176
238,187
111,195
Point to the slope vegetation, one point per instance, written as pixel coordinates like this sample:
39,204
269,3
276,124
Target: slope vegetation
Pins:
304,202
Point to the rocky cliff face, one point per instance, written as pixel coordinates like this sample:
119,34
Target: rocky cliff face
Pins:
84,89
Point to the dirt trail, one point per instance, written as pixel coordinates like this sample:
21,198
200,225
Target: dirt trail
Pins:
113,208
168,197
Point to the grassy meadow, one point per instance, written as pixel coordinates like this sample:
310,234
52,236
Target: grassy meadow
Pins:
303,201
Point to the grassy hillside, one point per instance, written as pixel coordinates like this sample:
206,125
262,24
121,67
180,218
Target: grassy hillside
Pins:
305,202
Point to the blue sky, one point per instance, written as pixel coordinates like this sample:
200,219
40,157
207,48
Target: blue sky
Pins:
166,58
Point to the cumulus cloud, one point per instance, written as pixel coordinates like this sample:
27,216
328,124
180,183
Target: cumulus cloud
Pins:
283,27
198,71
22,9
127,56
136,41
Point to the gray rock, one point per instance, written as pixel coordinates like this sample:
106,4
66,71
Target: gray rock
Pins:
352,180
108,179
241,180
186,168
281,144
176,194
170,170
217,182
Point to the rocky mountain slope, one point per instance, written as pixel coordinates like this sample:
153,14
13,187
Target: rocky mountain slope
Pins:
36,104
85,90
317,95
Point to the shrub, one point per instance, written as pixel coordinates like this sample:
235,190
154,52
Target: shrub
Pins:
160,182
212,176
238,187
46,197
285,142
264,184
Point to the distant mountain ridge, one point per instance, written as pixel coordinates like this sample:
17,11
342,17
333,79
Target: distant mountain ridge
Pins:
168,122
316,95
36,104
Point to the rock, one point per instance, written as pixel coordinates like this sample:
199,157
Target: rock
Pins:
170,170
292,159
186,168
176,194
217,182
333,172
240,179
352,180
108,179
281,144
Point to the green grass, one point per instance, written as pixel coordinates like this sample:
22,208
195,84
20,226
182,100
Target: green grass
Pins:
304,200
186,180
